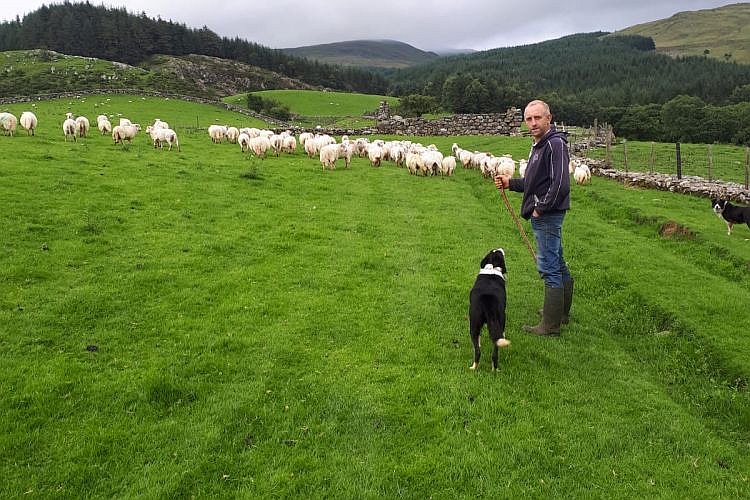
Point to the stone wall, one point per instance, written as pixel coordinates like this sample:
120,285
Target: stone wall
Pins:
508,123
696,186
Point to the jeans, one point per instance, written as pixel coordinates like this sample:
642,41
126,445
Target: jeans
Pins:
549,259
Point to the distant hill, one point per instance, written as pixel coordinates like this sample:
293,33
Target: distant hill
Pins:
722,33
368,53
43,71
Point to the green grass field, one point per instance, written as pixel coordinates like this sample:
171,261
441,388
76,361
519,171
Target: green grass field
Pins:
327,109
207,324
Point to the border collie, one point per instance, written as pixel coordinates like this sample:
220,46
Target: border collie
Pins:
487,304
732,214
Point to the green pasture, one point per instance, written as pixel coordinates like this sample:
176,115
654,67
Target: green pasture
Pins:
206,324
327,109
710,161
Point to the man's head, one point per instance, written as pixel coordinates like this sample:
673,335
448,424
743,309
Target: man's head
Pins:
537,118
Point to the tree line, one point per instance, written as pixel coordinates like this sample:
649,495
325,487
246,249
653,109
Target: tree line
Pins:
618,79
114,34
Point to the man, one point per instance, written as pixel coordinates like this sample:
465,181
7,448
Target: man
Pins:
546,199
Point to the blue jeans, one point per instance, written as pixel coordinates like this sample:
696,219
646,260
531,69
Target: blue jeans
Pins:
549,251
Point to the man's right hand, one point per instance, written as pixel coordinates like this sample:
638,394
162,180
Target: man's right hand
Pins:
502,181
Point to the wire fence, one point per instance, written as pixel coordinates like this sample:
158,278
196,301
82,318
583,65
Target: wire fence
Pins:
708,161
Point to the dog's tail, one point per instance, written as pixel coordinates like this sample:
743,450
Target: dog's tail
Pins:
495,320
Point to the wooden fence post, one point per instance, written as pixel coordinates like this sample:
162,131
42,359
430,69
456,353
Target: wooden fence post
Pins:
651,160
747,167
710,161
625,153
609,148
679,160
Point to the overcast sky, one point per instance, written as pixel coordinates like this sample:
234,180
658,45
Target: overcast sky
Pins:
425,24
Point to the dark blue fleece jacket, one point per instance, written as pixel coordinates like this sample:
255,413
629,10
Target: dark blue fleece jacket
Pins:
546,184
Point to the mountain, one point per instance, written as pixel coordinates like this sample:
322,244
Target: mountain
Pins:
722,33
368,53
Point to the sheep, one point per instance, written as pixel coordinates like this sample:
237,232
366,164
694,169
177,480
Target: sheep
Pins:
506,166
217,133
104,126
28,121
304,136
432,162
69,128
522,167
99,118
170,137
244,141
413,163
328,156
290,144
160,124
82,126
360,147
122,133
232,134
375,154
277,143
8,123
125,121
582,174
448,165
346,151
260,145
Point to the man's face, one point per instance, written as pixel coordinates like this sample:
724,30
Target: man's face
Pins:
538,120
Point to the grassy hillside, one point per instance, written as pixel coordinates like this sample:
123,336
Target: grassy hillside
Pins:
721,33
27,72
370,53
204,323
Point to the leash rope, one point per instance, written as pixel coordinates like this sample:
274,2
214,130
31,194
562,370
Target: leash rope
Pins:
518,223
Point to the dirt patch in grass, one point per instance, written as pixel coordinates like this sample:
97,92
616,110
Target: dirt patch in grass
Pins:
672,229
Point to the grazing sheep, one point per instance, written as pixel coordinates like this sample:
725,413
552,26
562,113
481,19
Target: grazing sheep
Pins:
328,156
413,163
160,124
290,144
432,162
448,165
82,126
277,143
303,137
122,133
244,141
170,137
217,133
125,121
582,174
375,154
260,145
8,123
69,129
29,122
346,151
233,134
104,126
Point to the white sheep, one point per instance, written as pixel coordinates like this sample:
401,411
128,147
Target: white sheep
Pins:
448,165
375,154
69,128
304,136
582,174
160,124
29,122
122,133
346,151
125,121
328,156
233,134
290,144
217,133
244,141
432,162
260,145
82,126
522,164
277,143
8,123
413,162
104,126
170,137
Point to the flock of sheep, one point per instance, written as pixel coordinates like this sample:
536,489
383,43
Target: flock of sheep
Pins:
416,158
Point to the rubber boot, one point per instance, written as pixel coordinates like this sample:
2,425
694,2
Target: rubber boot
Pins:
552,313
567,302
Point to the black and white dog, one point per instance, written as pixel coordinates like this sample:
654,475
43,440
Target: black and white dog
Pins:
732,214
487,304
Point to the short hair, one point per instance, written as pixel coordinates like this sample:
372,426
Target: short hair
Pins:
538,102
